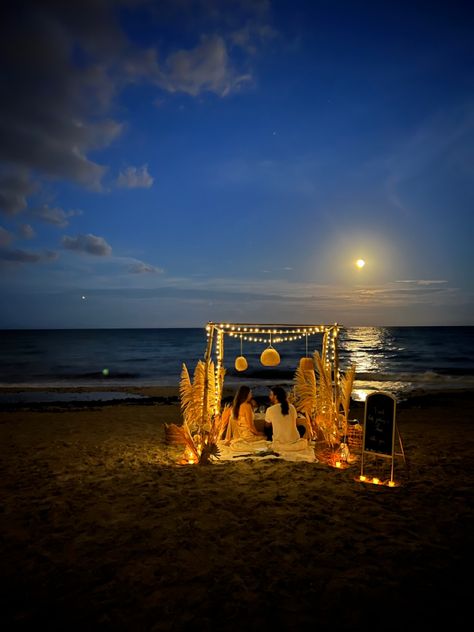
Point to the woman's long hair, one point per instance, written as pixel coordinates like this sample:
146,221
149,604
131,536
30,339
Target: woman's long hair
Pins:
240,398
280,394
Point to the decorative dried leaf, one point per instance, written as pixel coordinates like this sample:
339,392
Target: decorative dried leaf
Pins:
212,389
347,381
179,436
304,391
185,390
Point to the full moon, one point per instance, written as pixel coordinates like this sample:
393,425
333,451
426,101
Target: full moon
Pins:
360,263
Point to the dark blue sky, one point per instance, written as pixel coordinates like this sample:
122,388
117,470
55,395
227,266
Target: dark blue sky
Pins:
170,163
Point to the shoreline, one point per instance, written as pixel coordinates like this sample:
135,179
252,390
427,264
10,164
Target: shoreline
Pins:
144,394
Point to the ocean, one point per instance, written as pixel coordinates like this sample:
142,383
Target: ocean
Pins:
402,360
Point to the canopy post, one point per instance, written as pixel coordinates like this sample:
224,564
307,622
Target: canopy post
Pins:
335,354
207,358
219,358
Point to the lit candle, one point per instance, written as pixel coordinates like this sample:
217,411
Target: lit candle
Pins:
375,481
338,464
362,478
391,483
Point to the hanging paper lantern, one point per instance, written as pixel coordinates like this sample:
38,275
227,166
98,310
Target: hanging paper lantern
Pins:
241,363
306,364
270,357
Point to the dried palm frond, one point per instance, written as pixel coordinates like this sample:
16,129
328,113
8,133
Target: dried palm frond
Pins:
211,389
185,390
219,425
179,436
192,395
326,417
346,383
199,381
304,392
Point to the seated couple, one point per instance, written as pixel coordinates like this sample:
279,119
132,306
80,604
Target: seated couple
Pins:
280,421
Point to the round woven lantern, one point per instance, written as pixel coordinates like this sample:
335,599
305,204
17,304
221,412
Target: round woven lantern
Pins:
241,363
270,357
306,364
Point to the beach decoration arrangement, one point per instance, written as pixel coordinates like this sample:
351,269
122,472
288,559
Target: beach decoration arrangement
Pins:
202,426
325,408
321,391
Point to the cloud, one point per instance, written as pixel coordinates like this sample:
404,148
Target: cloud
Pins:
15,187
422,281
5,237
203,68
57,84
26,256
63,64
88,244
144,268
135,177
25,231
55,216
252,35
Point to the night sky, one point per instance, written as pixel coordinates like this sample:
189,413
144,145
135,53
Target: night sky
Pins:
167,163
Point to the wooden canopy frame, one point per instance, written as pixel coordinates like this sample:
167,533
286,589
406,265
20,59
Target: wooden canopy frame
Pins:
267,333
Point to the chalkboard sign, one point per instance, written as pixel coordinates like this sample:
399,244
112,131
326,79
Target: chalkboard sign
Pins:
379,423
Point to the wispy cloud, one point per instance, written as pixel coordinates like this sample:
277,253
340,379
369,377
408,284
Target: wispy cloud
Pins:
422,281
204,68
144,268
87,244
15,187
53,215
26,256
135,177
26,231
443,141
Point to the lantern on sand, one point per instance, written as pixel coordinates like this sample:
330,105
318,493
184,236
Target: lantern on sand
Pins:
240,362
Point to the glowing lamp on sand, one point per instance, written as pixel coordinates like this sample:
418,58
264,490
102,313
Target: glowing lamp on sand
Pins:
241,363
270,357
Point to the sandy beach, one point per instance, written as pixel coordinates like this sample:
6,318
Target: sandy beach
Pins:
102,530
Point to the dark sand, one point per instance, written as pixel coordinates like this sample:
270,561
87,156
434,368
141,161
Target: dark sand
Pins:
100,530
